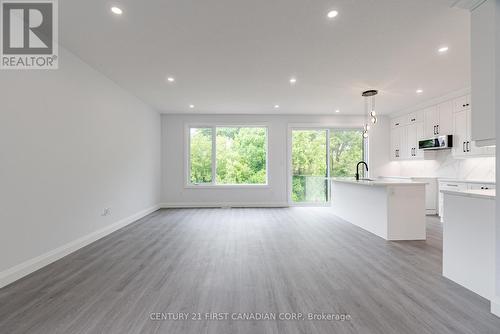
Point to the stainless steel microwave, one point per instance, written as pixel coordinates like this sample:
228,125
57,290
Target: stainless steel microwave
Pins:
437,143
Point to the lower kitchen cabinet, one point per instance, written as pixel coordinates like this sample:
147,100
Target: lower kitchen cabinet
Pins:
452,185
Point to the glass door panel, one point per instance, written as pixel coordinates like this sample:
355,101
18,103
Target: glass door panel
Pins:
346,150
309,166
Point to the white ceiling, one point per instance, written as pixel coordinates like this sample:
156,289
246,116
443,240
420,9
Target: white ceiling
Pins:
236,56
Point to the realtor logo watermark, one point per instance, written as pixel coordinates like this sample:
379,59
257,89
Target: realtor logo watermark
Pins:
29,34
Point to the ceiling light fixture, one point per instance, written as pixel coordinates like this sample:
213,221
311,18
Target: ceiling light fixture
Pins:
116,10
276,106
331,14
371,114
293,81
419,91
337,111
443,49
170,79
191,106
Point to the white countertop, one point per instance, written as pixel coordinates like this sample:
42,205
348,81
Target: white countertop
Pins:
409,177
479,193
379,182
446,179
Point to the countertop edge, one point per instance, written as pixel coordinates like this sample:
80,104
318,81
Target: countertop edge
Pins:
469,194
380,183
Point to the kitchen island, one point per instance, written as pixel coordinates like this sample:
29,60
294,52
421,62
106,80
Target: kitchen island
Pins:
391,209
469,241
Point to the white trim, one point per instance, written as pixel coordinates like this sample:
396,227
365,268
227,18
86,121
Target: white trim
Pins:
467,4
495,306
325,126
431,102
12,274
226,186
173,205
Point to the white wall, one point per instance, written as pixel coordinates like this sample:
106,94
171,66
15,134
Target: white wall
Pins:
71,143
176,194
496,303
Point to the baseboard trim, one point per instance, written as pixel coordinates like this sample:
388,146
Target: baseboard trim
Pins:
178,205
25,268
495,306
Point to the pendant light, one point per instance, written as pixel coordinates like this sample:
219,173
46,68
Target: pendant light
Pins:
371,114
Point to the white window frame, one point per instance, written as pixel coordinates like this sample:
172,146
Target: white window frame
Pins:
213,184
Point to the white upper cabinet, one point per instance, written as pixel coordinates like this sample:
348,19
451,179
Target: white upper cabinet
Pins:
430,122
414,133
398,151
452,117
414,117
463,145
485,20
398,121
462,103
438,120
445,120
460,133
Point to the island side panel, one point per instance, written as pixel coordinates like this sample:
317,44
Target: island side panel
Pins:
406,212
362,205
469,243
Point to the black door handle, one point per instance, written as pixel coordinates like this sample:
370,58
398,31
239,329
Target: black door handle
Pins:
463,147
468,146
437,127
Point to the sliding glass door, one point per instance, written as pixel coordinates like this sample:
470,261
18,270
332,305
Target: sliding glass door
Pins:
317,155
309,166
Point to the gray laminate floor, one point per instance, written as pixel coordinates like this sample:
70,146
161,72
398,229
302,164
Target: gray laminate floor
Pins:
274,261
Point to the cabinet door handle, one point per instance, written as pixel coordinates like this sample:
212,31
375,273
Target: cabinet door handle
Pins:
468,146
413,119
434,129
437,127
463,146
397,124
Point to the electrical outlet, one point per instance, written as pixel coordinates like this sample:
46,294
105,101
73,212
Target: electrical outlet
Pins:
106,212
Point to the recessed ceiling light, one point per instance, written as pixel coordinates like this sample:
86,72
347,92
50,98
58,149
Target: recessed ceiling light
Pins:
293,80
419,91
443,49
276,106
116,10
170,79
337,111
191,106
331,14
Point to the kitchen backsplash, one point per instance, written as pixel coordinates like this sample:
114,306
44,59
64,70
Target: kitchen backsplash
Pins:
446,166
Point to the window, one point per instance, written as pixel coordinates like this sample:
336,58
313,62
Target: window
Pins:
318,154
228,155
309,166
200,157
346,150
